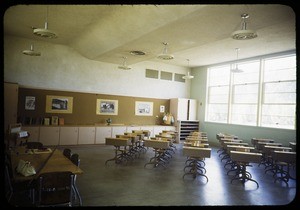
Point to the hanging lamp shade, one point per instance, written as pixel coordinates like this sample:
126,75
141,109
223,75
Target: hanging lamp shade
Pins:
244,33
236,69
165,55
124,65
45,32
188,76
31,52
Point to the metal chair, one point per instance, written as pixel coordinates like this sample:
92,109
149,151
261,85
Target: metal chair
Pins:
55,189
75,159
67,152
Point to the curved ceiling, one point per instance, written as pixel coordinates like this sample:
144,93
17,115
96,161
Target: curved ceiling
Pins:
200,33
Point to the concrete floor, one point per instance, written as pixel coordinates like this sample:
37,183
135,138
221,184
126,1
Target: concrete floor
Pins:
134,185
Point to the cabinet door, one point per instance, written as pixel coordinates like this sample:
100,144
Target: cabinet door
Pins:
34,132
68,136
158,129
192,109
148,128
118,130
182,109
131,128
102,133
87,135
49,135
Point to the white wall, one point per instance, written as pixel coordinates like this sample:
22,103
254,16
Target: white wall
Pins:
198,91
62,68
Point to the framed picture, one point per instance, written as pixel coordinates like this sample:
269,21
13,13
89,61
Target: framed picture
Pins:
54,120
107,107
143,108
59,104
162,109
29,103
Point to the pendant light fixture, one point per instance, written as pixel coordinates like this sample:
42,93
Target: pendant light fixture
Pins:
31,52
165,55
244,33
124,65
188,76
44,32
236,69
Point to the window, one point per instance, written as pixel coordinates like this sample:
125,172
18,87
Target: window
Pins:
264,94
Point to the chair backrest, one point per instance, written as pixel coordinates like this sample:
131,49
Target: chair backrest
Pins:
68,153
75,159
55,188
34,145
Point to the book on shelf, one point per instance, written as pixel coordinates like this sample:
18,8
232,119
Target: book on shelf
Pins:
61,121
46,121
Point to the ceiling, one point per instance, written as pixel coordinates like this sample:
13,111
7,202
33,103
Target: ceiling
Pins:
200,33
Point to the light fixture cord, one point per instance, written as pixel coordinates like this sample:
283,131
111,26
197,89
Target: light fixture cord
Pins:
46,23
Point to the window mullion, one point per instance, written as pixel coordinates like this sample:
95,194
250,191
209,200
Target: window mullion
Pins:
260,92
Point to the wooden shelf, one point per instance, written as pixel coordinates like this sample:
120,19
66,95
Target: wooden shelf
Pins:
185,127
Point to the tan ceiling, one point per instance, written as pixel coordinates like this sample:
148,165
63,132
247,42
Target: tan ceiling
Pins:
200,33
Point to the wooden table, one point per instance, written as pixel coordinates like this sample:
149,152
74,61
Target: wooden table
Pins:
57,162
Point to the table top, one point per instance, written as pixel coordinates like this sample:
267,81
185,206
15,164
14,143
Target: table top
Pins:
53,161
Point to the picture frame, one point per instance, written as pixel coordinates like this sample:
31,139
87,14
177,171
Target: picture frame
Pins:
29,103
106,107
59,104
54,120
162,109
143,108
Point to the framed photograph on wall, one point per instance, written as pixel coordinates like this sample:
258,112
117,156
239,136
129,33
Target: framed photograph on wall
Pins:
143,108
29,103
59,104
107,107
162,109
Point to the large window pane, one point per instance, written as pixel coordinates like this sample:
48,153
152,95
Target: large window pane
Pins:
280,116
244,114
250,73
280,92
264,93
218,94
217,113
219,76
245,93
280,69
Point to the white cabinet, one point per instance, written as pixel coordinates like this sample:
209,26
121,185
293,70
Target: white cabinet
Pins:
118,130
102,133
131,128
34,132
68,136
149,128
158,129
87,135
49,135
183,109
